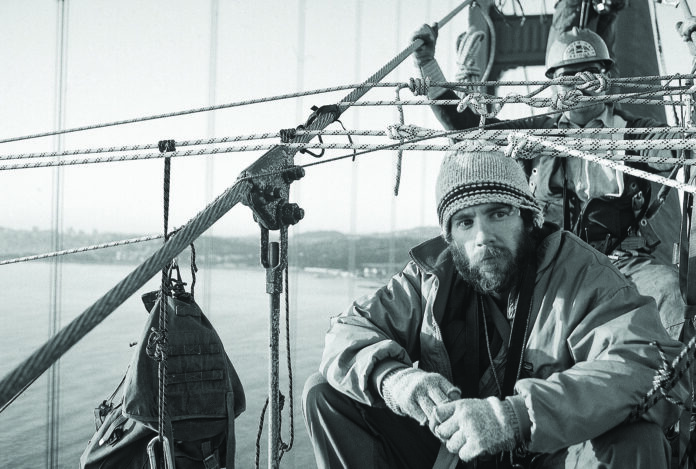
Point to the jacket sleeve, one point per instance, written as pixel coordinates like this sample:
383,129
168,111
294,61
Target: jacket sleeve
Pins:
377,333
613,366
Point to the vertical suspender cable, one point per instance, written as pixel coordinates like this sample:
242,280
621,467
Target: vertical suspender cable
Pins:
392,218
210,162
55,300
425,159
354,166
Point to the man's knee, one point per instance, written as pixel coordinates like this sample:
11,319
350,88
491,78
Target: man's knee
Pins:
636,445
314,395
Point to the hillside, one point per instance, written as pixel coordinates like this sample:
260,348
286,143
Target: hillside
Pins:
318,249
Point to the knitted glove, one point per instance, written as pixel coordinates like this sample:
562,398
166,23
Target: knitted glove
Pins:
473,427
426,52
415,393
425,59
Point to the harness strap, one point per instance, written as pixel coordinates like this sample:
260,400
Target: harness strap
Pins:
520,329
687,252
471,358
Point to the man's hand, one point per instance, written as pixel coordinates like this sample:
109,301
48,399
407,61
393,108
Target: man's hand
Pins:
426,52
415,393
474,427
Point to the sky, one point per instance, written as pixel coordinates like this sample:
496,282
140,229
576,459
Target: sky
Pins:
130,59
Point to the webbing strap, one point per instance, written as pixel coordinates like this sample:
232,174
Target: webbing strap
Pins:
520,328
687,252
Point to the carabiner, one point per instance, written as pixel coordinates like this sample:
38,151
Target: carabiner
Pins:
166,452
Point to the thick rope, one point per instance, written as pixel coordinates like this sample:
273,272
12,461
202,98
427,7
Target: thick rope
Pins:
56,347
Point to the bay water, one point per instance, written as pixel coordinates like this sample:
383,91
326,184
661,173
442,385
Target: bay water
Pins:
238,307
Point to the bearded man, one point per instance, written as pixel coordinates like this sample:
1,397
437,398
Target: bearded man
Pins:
505,340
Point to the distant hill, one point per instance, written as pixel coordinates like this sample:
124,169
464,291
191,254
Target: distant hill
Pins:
378,252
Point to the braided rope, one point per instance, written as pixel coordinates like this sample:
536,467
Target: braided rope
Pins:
286,447
60,343
370,147
519,141
400,152
626,81
395,131
666,377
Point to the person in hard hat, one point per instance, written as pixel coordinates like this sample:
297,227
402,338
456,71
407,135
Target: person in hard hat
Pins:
610,210
504,339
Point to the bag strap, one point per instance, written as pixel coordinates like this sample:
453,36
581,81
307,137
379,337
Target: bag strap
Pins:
520,329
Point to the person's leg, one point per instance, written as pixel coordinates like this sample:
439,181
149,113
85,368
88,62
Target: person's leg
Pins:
347,434
660,282
641,445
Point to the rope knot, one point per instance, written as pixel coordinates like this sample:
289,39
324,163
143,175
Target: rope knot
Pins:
419,86
477,102
565,100
157,345
520,147
402,132
665,377
596,82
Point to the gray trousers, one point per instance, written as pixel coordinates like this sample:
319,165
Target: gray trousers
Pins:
348,434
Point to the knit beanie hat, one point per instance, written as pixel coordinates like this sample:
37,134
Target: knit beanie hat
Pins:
477,177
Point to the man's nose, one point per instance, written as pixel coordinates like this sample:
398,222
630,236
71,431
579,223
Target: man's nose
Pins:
485,235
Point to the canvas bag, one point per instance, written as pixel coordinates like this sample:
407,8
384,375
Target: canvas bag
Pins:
204,395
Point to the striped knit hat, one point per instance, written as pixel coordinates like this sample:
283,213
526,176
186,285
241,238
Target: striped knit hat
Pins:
471,178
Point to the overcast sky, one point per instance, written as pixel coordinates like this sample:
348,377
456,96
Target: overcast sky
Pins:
130,58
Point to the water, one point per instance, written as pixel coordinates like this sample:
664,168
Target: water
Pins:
91,370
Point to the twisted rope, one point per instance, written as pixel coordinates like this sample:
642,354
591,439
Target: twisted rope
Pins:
80,249
55,347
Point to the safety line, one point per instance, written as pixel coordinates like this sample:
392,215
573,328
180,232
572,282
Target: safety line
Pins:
408,130
367,84
81,249
677,143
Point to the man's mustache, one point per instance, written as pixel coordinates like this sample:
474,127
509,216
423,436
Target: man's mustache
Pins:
491,253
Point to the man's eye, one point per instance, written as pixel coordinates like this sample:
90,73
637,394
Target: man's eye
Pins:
463,223
501,214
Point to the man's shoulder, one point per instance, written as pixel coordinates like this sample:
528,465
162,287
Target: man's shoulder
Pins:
563,249
636,121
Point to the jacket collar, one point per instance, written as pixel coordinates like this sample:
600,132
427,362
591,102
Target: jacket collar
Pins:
433,256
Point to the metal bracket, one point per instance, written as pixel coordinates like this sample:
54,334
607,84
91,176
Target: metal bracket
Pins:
271,176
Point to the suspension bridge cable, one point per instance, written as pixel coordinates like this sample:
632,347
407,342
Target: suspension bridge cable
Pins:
59,344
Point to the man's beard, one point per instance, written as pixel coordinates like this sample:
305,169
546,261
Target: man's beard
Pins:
508,267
